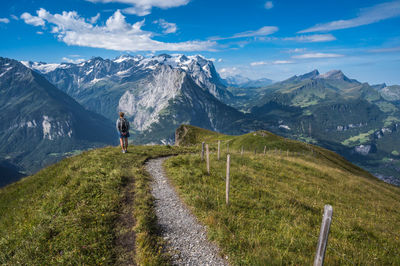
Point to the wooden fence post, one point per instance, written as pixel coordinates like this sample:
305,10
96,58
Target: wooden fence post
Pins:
323,236
255,151
265,149
202,151
228,165
219,149
241,152
208,159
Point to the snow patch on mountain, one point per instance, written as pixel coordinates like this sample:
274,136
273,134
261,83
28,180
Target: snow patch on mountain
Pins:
53,129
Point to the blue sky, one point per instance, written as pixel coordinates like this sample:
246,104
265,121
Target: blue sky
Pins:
255,38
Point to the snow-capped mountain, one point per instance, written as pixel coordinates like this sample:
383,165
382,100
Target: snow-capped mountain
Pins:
141,87
37,119
73,78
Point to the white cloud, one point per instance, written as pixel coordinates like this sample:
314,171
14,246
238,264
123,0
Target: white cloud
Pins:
385,50
32,20
143,7
269,5
266,30
228,71
14,17
74,61
4,20
39,32
312,38
167,26
282,62
276,62
94,19
296,50
366,16
219,60
116,34
258,63
316,55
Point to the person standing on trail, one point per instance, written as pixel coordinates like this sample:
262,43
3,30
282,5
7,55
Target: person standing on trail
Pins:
123,129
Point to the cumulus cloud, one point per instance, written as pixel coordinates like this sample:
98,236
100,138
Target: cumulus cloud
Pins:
94,19
366,16
266,30
143,7
116,34
312,38
74,61
316,55
4,20
32,20
167,26
269,5
228,71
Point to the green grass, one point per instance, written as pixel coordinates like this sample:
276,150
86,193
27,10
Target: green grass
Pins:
276,204
69,213
359,139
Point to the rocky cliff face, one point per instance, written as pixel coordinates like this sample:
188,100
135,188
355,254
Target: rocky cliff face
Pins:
39,124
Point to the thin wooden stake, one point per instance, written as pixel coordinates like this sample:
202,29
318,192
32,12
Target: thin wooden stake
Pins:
219,149
323,236
202,151
265,149
255,151
241,152
208,159
228,163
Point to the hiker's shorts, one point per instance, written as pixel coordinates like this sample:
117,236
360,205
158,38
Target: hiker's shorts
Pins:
126,135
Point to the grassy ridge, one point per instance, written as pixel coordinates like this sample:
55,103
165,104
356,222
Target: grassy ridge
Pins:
277,203
69,212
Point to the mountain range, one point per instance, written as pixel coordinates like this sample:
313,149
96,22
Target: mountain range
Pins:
39,124
357,120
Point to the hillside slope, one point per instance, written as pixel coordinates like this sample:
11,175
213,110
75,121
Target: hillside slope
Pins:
277,201
91,209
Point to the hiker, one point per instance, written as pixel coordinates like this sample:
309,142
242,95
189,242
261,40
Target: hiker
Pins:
123,129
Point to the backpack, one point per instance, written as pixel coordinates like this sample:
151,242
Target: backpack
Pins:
123,125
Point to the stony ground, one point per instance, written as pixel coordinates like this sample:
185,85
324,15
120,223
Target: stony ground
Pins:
186,238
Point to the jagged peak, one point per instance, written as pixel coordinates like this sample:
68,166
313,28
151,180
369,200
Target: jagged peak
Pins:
333,74
310,75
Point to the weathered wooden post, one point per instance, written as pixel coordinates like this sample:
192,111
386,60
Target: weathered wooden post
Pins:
323,236
227,148
219,149
241,152
228,165
202,151
255,151
208,159
265,149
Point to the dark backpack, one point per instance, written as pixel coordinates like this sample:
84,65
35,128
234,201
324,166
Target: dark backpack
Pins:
123,125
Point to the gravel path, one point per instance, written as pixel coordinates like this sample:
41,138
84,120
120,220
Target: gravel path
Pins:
186,238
